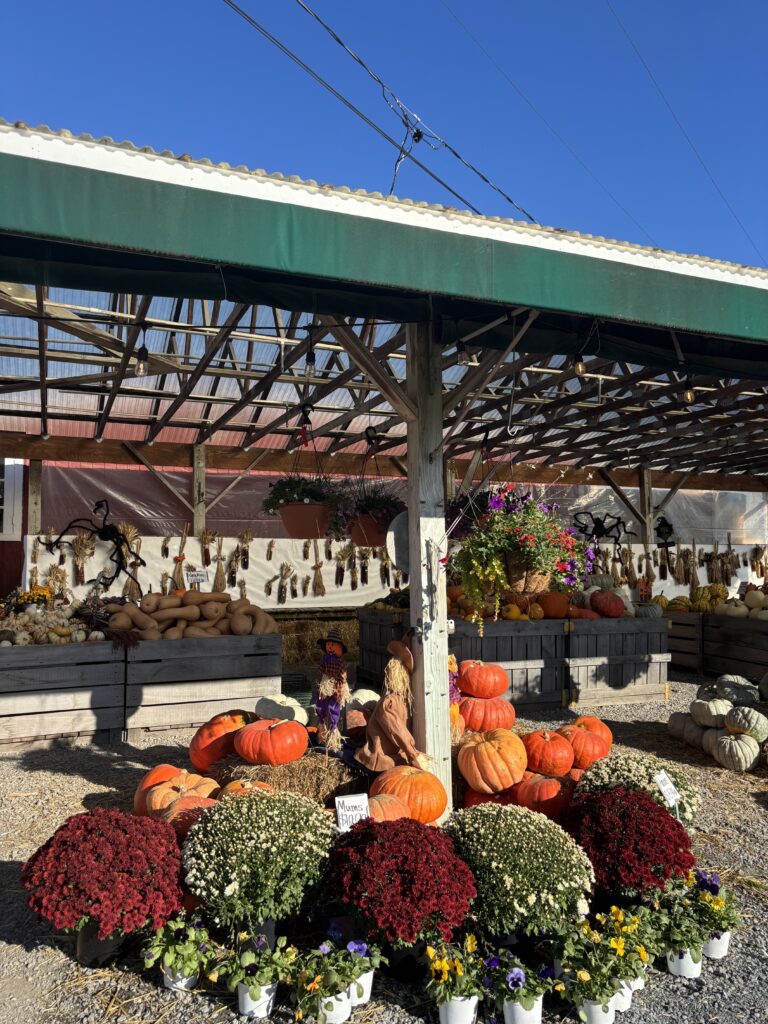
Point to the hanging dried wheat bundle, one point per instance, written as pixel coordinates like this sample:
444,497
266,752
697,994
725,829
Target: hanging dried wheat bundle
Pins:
270,550
286,571
83,548
34,577
207,537
694,572
385,568
220,576
232,566
616,567
650,574
165,584
35,551
294,581
306,580
245,553
364,554
318,586
178,569
131,588
305,549
242,586
165,547
629,567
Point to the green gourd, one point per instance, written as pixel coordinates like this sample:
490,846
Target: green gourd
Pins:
693,734
648,611
710,713
710,738
602,580
676,724
739,753
748,722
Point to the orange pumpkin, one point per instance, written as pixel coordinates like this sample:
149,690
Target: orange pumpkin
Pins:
239,786
421,791
593,724
388,807
184,812
165,793
492,761
554,604
484,715
479,679
273,741
545,795
216,739
472,798
588,747
161,773
548,753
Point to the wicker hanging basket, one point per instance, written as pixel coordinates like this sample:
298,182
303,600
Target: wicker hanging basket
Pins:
521,579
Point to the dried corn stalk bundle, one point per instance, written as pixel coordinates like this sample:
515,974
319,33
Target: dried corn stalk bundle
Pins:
245,549
220,577
242,587
131,588
270,550
649,575
364,555
165,547
628,561
681,571
270,583
178,569
83,548
232,567
616,568
165,584
305,549
305,582
318,586
693,578
294,582
207,537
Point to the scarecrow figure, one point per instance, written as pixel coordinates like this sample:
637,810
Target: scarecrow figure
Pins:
388,739
332,689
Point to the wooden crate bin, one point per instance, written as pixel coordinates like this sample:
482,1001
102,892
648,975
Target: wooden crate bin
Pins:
738,646
377,629
686,640
60,690
617,661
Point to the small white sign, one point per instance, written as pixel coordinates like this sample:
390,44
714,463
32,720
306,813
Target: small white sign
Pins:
667,787
350,809
196,576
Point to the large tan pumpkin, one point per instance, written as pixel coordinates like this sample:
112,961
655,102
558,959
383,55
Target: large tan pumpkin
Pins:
160,773
421,791
161,796
492,761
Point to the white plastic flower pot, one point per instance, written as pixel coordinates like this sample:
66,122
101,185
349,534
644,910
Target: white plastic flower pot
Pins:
638,983
681,964
459,1010
622,999
364,982
514,1013
178,982
261,1007
717,947
335,1009
599,1013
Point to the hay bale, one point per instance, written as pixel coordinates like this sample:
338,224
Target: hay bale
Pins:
315,775
300,636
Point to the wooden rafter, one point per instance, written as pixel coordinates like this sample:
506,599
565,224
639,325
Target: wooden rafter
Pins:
134,331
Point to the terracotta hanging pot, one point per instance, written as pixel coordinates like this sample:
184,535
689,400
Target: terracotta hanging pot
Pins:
308,520
368,532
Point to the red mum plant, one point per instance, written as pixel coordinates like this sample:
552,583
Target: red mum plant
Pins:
634,844
404,879
107,867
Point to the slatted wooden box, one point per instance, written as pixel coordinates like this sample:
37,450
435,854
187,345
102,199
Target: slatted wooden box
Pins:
179,684
738,646
377,629
60,690
617,661
686,640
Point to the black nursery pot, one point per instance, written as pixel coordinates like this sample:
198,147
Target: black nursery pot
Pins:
91,951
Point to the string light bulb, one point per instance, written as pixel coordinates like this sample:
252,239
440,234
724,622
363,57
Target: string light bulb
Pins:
689,395
309,364
579,366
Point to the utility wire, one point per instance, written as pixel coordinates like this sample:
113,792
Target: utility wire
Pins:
411,120
684,133
529,102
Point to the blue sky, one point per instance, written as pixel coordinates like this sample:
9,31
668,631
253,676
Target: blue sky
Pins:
190,76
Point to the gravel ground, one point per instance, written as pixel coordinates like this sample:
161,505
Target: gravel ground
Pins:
39,981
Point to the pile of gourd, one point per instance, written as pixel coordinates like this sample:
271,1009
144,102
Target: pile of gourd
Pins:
192,614
703,600
724,722
603,599
41,624
753,606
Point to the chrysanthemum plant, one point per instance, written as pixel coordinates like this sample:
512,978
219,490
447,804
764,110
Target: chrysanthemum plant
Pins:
455,970
256,966
183,946
508,980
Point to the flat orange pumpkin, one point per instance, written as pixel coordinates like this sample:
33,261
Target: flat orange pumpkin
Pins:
588,747
272,741
483,715
422,792
388,807
547,796
482,679
594,724
239,786
492,761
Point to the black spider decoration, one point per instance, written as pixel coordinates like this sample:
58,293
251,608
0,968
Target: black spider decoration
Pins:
110,534
598,528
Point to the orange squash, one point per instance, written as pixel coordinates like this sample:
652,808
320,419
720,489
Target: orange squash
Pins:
554,604
161,773
492,761
548,753
272,741
388,807
545,795
239,786
161,796
484,715
482,679
595,725
421,791
216,739
184,812
588,747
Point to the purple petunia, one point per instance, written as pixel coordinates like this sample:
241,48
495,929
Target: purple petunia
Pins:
496,503
515,978
251,969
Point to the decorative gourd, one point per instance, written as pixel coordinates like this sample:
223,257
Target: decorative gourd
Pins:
545,795
609,605
603,581
388,807
721,609
472,798
748,722
184,812
707,691
484,715
548,753
710,713
278,705
216,739
738,690
535,612
161,796
594,724
554,604
493,761
161,773
421,791
754,599
676,724
272,742
588,747
478,679
710,738
648,611
693,733
239,786
739,753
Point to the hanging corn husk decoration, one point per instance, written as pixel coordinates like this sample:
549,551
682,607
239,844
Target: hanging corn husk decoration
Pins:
294,582
207,537
715,564
364,555
242,586
318,586
131,588
165,547
339,576
354,575
83,548
650,573
165,583
245,552
270,550
385,568
232,566
35,551
305,549
655,558
220,577
286,571
694,573
56,579
305,586
178,569
663,563
616,567
34,577
732,561
398,579
701,558
628,561
268,586
680,567
328,549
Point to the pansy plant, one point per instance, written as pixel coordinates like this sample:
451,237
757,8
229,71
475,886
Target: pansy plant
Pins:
455,971
182,946
507,980
257,966
322,974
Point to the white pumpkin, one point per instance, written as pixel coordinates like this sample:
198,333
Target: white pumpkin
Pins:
755,599
629,607
676,724
278,705
363,700
739,753
738,690
761,614
748,722
721,609
710,738
710,713
737,611
693,734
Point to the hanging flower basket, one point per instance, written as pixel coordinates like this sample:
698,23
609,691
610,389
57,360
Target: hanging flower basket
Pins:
369,532
308,520
520,578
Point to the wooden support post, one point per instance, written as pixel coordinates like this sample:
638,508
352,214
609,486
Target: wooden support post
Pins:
34,497
426,515
198,489
622,495
646,506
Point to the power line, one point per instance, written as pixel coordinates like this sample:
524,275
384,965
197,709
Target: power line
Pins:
415,127
684,133
529,102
